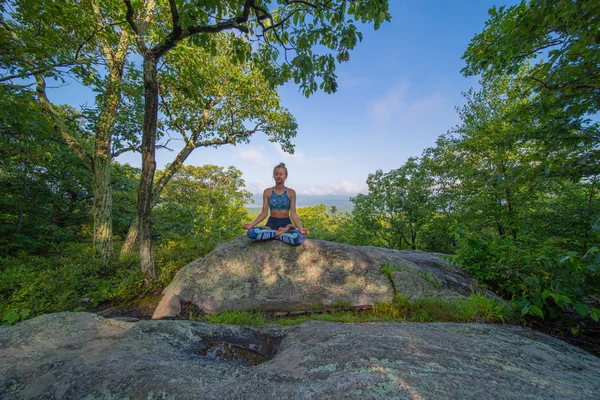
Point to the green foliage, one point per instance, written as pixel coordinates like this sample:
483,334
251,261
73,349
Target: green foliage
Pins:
73,278
321,223
398,205
205,201
562,34
512,191
44,190
32,285
124,183
172,254
234,317
235,100
536,278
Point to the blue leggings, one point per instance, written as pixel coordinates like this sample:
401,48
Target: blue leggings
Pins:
293,236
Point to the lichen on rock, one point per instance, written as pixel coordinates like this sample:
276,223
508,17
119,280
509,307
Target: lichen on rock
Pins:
81,355
271,276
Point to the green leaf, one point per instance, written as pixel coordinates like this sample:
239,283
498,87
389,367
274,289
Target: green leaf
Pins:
582,309
536,311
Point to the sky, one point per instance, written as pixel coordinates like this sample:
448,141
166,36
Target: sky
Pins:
396,96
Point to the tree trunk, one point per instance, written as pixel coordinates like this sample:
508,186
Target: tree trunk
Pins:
131,238
145,194
132,233
102,159
102,206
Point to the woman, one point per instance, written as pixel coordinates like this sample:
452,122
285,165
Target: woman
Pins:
281,202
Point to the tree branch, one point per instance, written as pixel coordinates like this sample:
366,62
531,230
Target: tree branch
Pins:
175,17
170,115
558,89
125,150
59,124
179,34
134,26
130,16
35,71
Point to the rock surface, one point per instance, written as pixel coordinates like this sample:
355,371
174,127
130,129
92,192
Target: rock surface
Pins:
246,275
84,356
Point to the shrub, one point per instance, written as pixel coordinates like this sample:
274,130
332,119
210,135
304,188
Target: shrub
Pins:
537,278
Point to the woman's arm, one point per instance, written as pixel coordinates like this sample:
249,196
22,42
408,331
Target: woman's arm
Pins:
294,214
263,213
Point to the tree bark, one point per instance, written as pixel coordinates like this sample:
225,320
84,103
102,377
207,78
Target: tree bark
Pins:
145,193
131,238
102,206
102,157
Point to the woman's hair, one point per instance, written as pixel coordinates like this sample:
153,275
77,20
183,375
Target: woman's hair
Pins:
281,165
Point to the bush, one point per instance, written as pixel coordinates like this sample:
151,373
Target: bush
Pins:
31,285
73,278
539,279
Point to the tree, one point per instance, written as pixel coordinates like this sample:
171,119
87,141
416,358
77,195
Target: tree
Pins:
498,170
398,205
495,168
209,101
319,221
520,206
45,39
263,29
564,32
44,188
560,39
206,201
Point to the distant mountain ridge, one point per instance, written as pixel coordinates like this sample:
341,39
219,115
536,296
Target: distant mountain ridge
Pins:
340,201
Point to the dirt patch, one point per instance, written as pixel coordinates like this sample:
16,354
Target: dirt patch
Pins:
140,308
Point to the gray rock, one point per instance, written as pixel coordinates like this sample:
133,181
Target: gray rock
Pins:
246,275
84,356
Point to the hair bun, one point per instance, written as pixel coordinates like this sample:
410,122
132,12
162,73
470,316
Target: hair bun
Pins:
281,164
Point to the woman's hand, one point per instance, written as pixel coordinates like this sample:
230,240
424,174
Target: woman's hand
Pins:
248,226
304,231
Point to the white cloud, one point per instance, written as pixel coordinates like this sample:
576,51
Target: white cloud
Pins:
298,156
253,156
257,186
396,106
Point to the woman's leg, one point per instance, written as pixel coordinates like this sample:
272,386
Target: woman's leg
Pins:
261,233
283,230
293,237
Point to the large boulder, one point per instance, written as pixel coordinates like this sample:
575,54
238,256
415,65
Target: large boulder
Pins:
247,275
84,356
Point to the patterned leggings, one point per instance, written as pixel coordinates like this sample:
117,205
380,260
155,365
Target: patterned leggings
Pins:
293,236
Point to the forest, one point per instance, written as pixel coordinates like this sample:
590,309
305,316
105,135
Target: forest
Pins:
510,195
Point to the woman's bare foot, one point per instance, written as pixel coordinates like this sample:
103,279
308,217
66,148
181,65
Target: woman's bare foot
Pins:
283,230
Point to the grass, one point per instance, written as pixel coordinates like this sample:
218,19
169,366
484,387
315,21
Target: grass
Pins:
475,308
388,269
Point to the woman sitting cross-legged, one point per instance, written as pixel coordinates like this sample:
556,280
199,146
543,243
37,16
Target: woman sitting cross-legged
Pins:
281,202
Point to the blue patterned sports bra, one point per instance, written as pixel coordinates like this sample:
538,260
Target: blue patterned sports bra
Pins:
279,201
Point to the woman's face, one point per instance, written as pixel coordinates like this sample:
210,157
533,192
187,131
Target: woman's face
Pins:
279,175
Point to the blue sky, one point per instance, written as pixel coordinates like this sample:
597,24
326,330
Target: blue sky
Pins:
396,95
